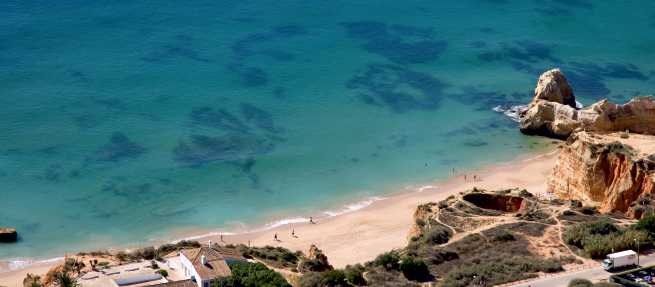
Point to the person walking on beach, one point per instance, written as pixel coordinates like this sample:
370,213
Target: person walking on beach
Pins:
222,238
275,237
464,177
474,176
311,221
292,233
248,243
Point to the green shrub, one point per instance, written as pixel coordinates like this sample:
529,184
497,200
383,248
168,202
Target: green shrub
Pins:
314,265
504,237
589,210
356,277
122,256
436,255
438,235
637,208
525,193
600,238
450,197
311,279
603,228
580,282
624,135
387,260
568,213
144,253
334,277
442,204
163,272
225,281
289,256
415,270
248,274
557,201
420,222
646,223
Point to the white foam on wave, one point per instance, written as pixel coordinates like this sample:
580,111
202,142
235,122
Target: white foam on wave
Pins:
352,207
578,105
512,112
536,157
24,264
420,189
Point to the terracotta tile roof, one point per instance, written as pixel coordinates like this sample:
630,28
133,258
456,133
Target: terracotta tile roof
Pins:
183,283
231,254
215,267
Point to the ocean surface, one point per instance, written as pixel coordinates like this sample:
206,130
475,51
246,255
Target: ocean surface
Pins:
124,123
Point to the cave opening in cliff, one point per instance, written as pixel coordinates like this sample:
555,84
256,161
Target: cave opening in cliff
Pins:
506,203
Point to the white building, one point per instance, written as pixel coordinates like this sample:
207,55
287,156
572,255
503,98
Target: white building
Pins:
204,264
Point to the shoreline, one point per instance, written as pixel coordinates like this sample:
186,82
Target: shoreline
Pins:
360,230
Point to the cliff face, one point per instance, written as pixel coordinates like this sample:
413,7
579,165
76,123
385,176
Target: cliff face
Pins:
552,113
602,172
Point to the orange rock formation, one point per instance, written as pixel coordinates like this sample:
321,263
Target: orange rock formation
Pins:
601,172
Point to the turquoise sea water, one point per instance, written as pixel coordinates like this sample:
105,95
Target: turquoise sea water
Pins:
124,122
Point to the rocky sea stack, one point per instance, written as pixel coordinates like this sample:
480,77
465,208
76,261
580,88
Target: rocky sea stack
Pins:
553,112
8,235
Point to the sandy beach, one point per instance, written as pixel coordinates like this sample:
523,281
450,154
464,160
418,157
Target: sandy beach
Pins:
359,236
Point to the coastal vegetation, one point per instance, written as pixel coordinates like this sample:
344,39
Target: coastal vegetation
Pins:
246,274
278,257
581,282
600,238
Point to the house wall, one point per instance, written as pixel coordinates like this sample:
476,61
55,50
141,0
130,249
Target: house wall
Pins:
187,269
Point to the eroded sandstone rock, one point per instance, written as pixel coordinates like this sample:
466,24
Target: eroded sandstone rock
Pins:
552,112
554,87
316,254
603,173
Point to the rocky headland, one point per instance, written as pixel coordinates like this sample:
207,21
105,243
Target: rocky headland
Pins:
553,112
609,171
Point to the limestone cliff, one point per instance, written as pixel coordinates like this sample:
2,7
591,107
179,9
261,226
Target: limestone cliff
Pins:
604,171
552,112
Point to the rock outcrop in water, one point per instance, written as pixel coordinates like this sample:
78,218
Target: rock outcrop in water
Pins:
8,235
552,112
554,87
605,172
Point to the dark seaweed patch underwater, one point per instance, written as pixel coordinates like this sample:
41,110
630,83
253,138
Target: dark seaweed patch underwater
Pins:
396,43
380,85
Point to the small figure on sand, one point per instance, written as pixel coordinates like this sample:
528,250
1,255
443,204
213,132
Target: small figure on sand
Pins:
464,177
479,178
248,243
474,176
275,237
292,233
222,238
311,221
